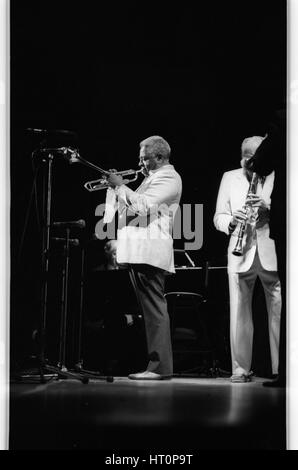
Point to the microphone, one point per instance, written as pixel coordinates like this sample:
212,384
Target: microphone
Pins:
37,131
70,224
64,150
72,241
52,132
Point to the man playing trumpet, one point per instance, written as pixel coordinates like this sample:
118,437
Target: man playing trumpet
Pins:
238,207
145,243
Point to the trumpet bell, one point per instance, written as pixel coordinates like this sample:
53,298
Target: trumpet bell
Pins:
96,185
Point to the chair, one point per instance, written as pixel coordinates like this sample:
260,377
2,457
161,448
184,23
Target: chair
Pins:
190,339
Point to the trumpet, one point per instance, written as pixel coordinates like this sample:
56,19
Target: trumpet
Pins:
238,250
73,156
102,183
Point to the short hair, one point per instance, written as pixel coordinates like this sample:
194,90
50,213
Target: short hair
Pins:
251,144
156,146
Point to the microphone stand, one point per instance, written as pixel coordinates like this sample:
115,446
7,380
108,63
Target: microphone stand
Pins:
79,364
47,201
64,302
60,370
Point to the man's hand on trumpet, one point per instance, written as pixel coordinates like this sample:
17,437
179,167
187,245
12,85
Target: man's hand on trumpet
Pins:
115,180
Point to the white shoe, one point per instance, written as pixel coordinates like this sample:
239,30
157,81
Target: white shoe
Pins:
241,378
147,375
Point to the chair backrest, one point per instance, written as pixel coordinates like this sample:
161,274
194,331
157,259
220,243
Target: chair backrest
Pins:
190,279
184,309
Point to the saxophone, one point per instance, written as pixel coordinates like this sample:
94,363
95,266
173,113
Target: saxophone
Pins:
238,250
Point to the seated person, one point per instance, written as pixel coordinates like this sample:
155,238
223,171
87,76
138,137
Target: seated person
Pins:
110,262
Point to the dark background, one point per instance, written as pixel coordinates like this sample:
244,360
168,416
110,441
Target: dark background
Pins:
204,78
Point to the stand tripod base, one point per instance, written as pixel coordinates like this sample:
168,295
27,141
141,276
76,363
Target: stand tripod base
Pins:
43,373
32,378
38,373
93,374
63,373
30,371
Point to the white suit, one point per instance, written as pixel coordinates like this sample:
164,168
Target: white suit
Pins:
258,259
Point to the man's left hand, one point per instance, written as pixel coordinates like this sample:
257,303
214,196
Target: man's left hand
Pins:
115,180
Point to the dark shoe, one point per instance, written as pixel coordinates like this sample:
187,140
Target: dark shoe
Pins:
278,382
147,375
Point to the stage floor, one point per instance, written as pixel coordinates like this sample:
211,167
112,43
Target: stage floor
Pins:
183,414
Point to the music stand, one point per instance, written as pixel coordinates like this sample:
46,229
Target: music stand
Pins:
182,259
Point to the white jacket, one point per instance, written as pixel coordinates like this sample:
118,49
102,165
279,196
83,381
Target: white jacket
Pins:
146,219
231,196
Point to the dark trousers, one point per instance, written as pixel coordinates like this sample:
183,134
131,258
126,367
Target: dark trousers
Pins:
150,283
